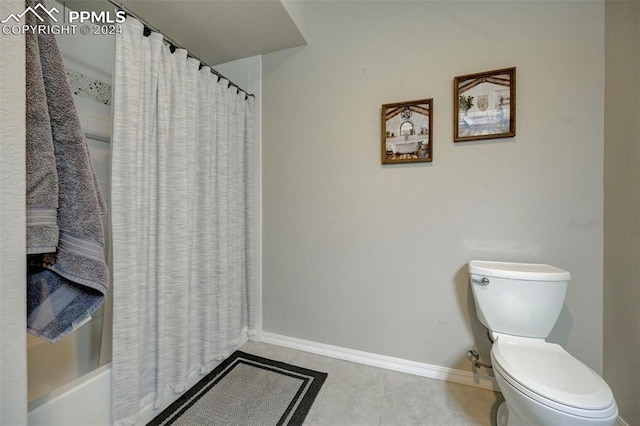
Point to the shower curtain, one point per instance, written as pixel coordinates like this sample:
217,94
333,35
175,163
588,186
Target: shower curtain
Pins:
181,221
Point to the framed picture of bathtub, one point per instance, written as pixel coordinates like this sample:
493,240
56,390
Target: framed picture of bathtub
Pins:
407,132
484,105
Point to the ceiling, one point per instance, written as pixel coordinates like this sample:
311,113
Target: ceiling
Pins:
215,31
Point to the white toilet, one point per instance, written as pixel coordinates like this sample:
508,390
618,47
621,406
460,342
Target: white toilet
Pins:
542,384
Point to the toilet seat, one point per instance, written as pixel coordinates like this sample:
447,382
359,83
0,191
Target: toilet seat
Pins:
548,374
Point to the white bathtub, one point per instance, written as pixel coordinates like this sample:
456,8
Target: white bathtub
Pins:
406,147
87,402
398,145
83,402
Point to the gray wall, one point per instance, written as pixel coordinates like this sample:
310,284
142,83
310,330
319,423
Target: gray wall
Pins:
13,252
622,207
374,258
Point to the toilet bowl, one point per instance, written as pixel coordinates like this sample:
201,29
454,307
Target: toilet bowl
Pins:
542,384
545,385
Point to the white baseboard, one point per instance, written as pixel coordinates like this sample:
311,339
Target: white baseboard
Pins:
382,361
621,422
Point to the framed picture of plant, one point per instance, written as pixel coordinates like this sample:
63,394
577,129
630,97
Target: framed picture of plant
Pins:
407,132
484,105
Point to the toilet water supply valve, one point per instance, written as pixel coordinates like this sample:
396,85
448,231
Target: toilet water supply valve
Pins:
474,357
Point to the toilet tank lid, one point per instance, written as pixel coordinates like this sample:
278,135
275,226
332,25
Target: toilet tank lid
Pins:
520,271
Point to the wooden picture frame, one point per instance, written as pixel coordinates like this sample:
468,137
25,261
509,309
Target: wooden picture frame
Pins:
407,132
484,105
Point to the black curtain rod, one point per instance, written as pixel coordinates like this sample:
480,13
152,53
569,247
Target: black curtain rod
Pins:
148,28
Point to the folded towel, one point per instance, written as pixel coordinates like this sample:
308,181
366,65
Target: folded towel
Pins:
66,287
42,176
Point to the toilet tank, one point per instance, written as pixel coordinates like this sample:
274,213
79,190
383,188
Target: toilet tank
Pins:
520,299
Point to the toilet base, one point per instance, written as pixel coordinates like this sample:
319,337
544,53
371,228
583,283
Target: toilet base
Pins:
508,418
540,415
502,418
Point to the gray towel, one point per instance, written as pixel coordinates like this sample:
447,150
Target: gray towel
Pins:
42,176
65,287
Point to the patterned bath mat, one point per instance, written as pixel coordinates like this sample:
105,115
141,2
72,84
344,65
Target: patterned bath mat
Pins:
247,390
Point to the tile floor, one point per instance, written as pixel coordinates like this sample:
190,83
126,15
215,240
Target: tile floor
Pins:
359,395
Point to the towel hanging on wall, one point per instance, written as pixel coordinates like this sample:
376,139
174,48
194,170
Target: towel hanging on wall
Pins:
69,281
42,175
